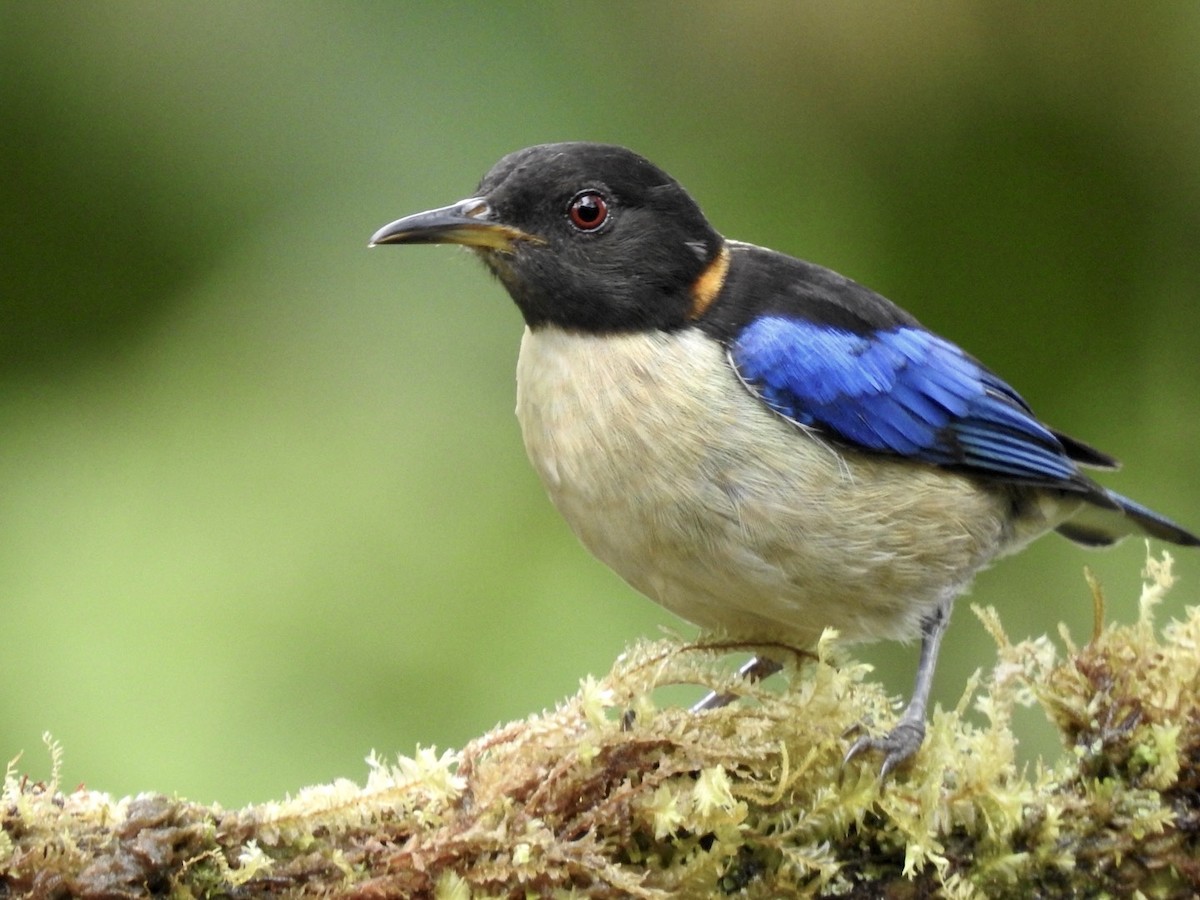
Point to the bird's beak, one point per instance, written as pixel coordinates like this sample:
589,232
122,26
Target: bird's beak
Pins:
468,222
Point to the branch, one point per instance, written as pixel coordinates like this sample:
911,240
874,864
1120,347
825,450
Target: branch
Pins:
590,801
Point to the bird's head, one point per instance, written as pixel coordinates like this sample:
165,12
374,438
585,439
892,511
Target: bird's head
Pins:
588,237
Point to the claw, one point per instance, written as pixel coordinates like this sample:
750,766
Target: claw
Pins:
898,746
757,669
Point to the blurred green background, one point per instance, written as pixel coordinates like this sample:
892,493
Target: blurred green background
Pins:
263,504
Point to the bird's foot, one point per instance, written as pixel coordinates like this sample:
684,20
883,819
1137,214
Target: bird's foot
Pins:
897,746
757,669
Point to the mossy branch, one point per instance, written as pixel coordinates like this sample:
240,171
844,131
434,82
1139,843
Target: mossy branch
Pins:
753,800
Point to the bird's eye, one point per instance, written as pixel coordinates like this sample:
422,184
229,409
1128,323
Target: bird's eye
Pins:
588,210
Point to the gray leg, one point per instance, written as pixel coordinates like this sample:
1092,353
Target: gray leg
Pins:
756,670
905,739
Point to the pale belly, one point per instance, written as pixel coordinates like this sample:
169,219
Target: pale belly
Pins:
671,473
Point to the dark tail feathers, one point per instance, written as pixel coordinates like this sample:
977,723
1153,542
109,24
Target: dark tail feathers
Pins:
1101,525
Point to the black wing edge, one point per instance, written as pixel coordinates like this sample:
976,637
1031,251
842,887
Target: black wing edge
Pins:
1085,454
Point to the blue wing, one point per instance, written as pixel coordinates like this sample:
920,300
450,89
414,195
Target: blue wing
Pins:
899,390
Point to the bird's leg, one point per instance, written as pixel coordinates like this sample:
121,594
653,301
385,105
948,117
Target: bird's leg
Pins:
905,739
757,669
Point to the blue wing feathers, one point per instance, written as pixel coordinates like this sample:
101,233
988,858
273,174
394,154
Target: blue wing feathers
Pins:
900,390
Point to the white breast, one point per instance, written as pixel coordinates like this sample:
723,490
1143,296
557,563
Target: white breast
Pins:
674,475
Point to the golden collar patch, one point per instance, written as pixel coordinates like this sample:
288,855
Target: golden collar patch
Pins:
708,285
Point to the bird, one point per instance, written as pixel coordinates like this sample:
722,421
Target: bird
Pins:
761,445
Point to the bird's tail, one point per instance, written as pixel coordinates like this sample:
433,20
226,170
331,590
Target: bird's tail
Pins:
1111,516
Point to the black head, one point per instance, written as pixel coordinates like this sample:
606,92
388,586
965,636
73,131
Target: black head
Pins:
589,237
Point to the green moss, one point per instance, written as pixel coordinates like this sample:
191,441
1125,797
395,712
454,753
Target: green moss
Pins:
752,800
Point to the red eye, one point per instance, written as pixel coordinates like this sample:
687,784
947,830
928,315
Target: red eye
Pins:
588,211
